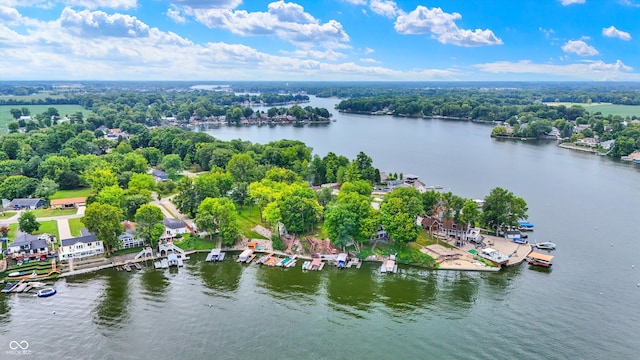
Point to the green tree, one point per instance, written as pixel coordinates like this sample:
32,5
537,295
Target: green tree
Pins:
27,222
470,214
100,178
142,182
398,223
298,208
351,219
104,221
11,147
46,189
132,203
172,164
219,216
410,198
361,187
17,186
112,195
430,200
242,168
502,209
147,218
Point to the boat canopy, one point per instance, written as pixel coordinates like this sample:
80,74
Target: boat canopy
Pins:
539,256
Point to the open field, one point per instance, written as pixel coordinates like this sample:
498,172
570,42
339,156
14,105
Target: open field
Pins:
604,108
37,96
75,193
5,112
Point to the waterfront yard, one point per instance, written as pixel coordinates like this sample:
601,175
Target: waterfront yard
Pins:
604,108
48,227
190,242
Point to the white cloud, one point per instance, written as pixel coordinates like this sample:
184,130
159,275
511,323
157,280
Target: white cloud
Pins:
386,8
595,70
209,4
611,32
442,27
356,2
9,15
629,3
89,4
87,23
369,60
288,21
369,51
579,47
329,54
174,14
571,2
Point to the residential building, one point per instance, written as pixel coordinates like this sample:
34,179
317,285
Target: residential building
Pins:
27,245
173,228
81,247
26,204
128,238
69,203
159,175
590,142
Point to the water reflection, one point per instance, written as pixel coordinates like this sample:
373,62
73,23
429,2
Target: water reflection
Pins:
458,290
4,309
224,276
154,283
283,283
113,307
351,287
407,290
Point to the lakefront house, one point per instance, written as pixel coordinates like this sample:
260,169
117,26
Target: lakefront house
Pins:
84,246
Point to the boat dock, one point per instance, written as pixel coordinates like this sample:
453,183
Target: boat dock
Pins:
389,265
127,267
316,264
215,255
288,262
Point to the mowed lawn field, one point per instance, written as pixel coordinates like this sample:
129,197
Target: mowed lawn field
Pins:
605,108
5,112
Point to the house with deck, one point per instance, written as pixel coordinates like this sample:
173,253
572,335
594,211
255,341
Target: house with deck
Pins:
30,246
81,247
128,238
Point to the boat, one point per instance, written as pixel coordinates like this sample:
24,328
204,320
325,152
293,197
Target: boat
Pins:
46,292
546,245
306,265
215,255
16,273
341,261
525,225
493,256
538,259
520,241
389,265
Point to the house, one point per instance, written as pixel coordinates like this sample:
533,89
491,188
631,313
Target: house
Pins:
69,203
173,228
80,247
590,142
607,144
27,245
128,238
580,127
445,226
380,235
159,175
26,204
115,134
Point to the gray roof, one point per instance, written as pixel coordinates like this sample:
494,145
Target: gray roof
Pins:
159,173
23,238
83,239
24,202
173,223
38,244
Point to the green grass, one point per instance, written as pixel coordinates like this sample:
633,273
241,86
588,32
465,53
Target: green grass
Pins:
5,112
75,225
133,250
425,239
49,227
75,193
40,213
7,215
37,96
406,254
196,243
605,108
248,218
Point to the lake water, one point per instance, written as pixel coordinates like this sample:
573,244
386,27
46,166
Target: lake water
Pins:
586,307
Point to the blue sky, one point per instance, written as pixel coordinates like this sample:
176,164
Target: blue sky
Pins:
373,40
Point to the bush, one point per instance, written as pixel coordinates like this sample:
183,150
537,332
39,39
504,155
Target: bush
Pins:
277,243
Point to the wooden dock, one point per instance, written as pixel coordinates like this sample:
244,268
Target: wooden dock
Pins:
215,255
137,266
127,267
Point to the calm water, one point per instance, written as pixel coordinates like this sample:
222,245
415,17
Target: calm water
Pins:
586,307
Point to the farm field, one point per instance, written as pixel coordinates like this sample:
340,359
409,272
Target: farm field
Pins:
5,112
604,108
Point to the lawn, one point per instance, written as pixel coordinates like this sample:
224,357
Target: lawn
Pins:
249,217
5,112
196,243
604,108
75,193
49,227
7,215
75,225
40,213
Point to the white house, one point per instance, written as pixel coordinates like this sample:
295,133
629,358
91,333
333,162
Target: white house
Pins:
128,238
80,247
173,228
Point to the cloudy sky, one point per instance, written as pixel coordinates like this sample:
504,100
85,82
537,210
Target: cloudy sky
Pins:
377,40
